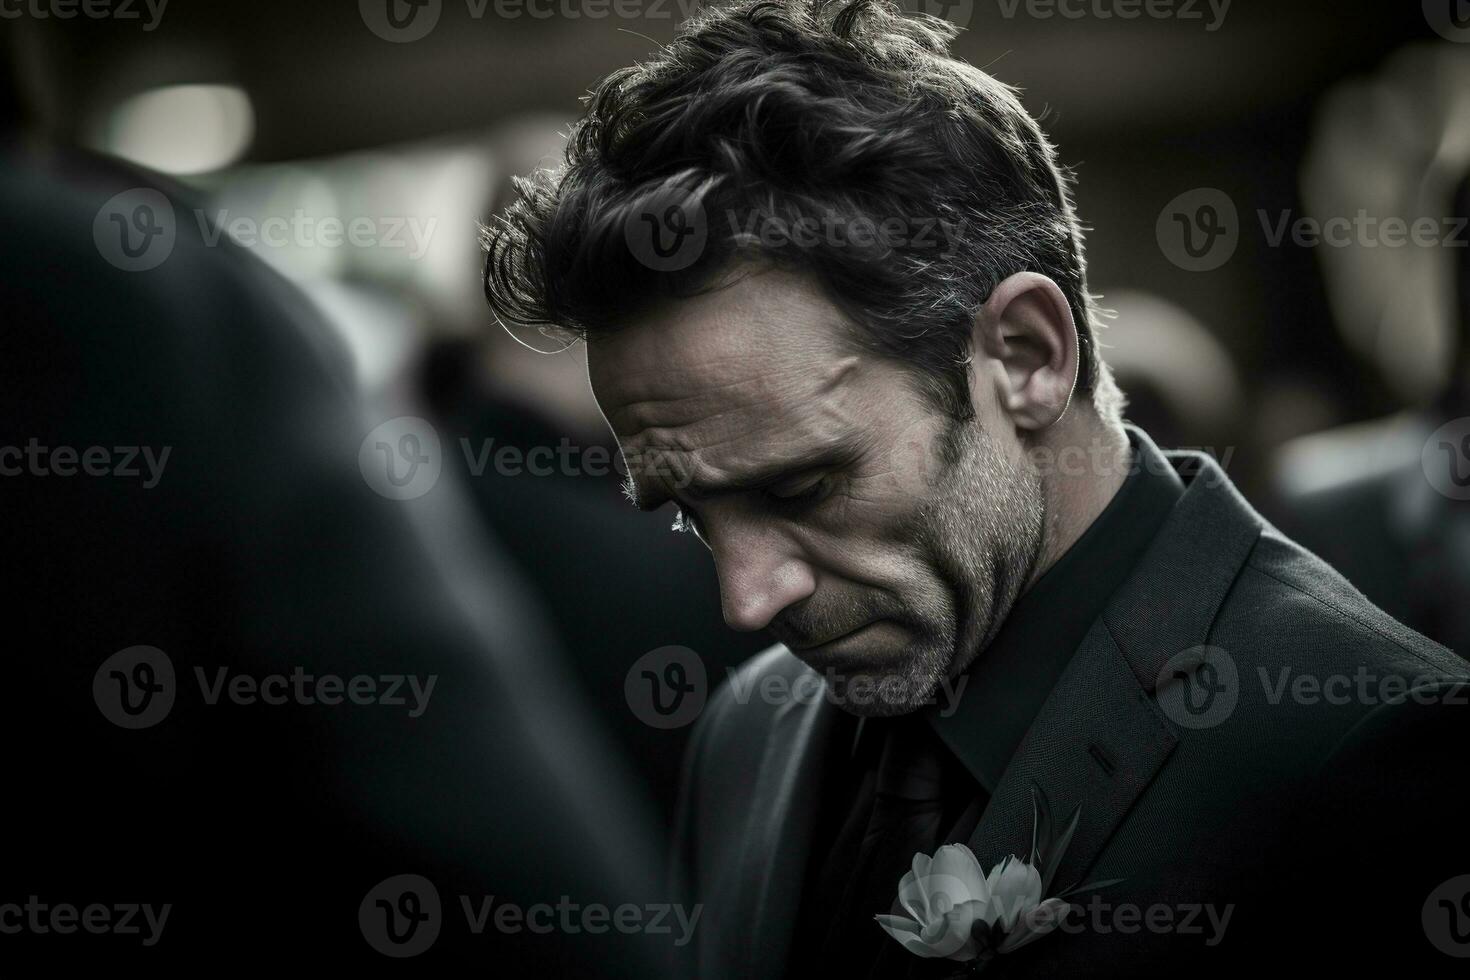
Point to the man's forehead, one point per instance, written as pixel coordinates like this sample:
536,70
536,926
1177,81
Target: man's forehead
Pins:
765,338
735,432
725,381
717,399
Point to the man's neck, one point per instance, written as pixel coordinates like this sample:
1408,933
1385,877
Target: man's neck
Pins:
1083,462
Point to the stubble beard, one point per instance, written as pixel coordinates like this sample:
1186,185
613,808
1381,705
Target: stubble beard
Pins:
979,535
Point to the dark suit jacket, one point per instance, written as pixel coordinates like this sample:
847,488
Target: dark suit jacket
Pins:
262,551
1320,828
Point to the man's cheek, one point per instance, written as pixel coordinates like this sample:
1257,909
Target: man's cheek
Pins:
916,462
875,510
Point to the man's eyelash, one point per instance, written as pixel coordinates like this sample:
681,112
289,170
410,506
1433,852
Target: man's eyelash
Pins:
684,524
815,491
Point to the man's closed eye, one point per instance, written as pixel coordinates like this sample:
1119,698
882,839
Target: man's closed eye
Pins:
808,490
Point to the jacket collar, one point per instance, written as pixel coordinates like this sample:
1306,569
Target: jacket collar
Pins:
994,703
1101,738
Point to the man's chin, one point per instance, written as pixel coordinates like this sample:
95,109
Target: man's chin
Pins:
879,695
877,671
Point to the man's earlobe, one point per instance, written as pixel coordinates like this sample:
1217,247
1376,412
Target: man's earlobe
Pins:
1026,329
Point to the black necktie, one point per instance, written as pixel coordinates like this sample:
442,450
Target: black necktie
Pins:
907,816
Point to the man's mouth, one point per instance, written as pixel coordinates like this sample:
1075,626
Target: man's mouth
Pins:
835,638
878,646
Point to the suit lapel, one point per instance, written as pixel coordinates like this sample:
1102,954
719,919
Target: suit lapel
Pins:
799,748
1100,739
1097,742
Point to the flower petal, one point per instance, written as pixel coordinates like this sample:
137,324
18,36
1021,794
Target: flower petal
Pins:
1015,889
911,897
958,862
897,923
920,871
949,935
900,929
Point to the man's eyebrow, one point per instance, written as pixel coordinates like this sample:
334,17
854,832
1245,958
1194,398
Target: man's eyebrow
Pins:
834,455
643,501
655,496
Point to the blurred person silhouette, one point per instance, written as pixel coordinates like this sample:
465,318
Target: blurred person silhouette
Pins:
616,583
1181,382
1382,500
250,692
1379,500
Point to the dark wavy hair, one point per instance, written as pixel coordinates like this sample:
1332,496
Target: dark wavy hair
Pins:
832,112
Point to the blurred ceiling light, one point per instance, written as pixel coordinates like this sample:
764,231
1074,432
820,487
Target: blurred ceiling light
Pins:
181,129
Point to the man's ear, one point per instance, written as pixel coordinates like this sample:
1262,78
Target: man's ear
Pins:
1026,330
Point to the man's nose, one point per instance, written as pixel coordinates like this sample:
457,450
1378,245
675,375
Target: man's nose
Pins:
761,573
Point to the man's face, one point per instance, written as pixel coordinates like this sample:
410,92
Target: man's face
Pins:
877,539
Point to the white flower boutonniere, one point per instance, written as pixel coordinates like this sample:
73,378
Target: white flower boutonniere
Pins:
955,911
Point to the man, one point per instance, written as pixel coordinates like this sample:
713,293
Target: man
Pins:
835,302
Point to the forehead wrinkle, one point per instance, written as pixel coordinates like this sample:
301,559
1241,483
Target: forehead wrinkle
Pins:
726,389
704,404
671,453
753,453
663,413
820,416
748,421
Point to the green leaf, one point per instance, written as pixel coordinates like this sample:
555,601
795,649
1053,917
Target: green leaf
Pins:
1091,886
1054,855
1041,825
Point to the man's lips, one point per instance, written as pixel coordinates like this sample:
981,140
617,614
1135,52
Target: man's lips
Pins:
833,639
